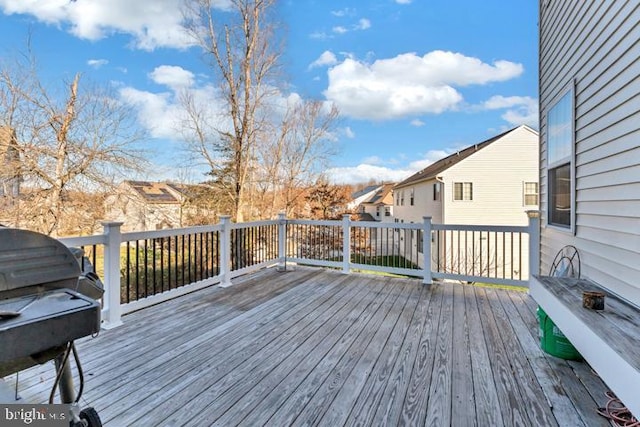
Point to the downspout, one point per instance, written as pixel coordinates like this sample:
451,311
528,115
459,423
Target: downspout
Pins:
441,181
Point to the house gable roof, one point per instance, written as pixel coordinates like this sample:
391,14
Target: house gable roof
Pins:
382,196
364,191
434,169
153,192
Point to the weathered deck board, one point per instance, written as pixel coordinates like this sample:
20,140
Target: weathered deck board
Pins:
514,413
414,408
463,398
539,412
576,380
547,377
439,406
349,331
316,347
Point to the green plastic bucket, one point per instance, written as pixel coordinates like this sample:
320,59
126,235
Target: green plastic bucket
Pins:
553,341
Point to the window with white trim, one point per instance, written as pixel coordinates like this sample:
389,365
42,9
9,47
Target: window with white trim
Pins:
411,197
530,193
436,191
560,160
462,191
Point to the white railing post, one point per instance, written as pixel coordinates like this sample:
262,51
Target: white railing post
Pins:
282,240
346,243
534,242
426,250
113,239
225,251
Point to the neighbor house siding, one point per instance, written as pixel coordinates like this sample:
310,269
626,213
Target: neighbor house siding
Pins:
424,205
498,173
594,48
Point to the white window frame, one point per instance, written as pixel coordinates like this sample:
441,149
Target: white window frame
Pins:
462,195
555,163
525,194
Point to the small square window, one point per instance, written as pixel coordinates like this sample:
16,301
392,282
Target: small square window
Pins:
462,191
530,193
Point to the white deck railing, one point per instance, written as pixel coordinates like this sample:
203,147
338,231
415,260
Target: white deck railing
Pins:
140,269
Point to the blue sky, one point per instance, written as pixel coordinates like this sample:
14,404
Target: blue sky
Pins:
414,79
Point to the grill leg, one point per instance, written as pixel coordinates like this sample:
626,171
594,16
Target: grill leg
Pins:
67,393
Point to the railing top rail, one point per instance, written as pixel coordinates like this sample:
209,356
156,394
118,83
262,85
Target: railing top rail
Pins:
490,228
254,224
376,224
156,234
97,239
332,223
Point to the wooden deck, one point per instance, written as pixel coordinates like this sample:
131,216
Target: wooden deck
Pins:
316,347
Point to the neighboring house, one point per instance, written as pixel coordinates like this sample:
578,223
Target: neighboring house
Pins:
10,176
590,168
143,205
493,182
360,196
379,205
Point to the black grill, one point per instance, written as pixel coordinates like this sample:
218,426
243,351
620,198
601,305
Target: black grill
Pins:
44,305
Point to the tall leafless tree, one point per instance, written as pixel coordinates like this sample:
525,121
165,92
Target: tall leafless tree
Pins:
242,48
78,139
296,153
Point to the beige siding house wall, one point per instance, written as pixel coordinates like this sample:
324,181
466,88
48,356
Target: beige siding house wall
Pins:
424,203
591,51
493,176
498,173
497,170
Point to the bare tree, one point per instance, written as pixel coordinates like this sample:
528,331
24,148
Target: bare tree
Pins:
327,200
297,154
242,50
75,141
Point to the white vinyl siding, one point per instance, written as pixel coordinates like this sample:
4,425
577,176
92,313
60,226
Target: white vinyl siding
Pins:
595,47
497,173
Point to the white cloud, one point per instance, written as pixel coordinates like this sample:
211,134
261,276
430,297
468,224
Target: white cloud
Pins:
343,12
157,112
163,113
97,63
365,173
349,133
403,1
372,168
520,109
409,84
151,23
362,24
327,58
417,123
319,35
172,76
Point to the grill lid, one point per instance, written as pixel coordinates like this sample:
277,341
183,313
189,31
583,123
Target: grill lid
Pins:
29,259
